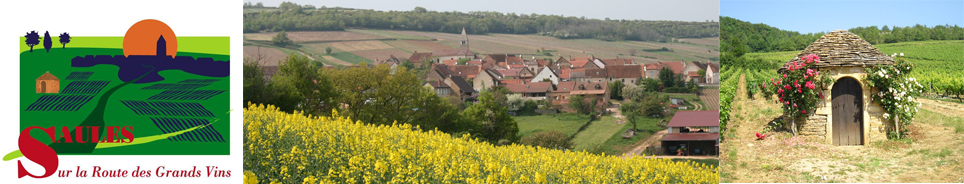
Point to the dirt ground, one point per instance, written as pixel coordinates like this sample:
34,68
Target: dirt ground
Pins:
269,56
936,154
383,54
314,36
427,45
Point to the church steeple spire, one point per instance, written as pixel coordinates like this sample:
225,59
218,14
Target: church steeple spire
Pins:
464,44
161,46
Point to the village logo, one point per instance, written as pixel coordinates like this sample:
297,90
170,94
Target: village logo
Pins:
131,95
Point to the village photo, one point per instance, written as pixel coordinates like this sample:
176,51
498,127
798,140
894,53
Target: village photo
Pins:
447,92
854,92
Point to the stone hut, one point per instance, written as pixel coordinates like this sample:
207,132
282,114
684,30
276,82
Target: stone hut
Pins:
48,83
846,114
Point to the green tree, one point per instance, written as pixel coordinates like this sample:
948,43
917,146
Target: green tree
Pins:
419,9
281,39
651,84
615,89
552,139
327,50
631,111
514,102
256,88
298,78
579,104
667,77
493,119
702,73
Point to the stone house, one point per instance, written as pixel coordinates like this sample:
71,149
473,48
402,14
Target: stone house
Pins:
846,115
48,83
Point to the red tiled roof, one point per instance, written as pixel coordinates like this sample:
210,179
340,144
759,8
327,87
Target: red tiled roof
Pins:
693,74
516,66
543,62
625,71
418,57
465,70
565,87
450,62
532,87
695,119
511,81
676,66
474,62
579,63
562,73
691,137
654,66
596,73
510,72
617,61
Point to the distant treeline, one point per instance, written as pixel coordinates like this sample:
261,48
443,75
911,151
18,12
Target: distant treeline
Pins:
293,17
764,38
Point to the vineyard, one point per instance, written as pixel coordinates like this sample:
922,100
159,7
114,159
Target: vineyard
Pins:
291,148
939,65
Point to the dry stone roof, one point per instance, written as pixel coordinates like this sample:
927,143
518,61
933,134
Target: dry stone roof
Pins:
842,48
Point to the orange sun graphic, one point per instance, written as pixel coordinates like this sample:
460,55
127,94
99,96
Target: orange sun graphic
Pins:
142,38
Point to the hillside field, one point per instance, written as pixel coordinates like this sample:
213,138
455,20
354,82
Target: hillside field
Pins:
353,44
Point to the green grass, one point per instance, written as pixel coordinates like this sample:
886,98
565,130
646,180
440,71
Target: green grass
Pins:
567,123
616,145
955,122
597,132
351,58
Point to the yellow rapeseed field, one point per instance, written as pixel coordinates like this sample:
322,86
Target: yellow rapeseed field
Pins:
292,148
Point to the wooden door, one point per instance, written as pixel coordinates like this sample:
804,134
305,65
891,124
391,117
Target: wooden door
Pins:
43,86
847,112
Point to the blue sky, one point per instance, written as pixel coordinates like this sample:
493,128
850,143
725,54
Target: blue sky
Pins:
825,16
684,10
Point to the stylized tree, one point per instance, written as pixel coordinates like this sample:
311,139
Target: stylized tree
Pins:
47,42
32,39
64,39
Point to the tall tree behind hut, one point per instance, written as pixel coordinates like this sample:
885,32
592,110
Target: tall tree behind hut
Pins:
47,42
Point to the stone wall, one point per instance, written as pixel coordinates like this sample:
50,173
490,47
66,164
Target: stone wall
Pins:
819,125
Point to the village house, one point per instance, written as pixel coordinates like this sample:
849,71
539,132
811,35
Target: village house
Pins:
532,90
627,74
593,92
562,62
440,88
546,73
596,75
712,73
485,80
692,133
418,58
560,96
